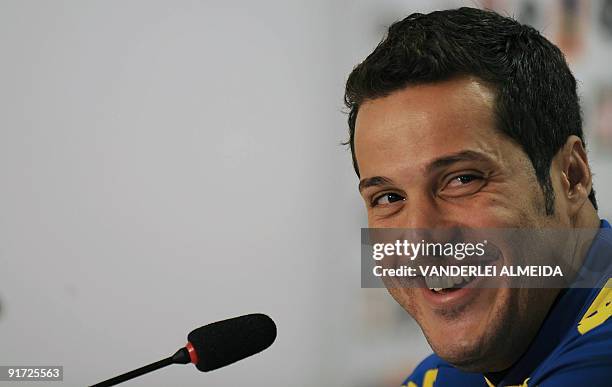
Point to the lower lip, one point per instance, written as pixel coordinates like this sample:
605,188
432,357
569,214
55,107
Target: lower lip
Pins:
448,299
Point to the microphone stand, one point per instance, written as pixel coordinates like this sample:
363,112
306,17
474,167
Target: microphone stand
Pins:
180,357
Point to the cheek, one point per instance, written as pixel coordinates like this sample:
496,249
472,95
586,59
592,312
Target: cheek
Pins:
485,213
500,212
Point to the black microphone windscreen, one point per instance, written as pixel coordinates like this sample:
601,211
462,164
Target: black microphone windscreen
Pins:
225,342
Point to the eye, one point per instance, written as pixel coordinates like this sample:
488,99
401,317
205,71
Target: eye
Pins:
386,198
460,180
463,184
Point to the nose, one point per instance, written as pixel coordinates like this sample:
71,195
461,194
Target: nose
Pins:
421,212
424,218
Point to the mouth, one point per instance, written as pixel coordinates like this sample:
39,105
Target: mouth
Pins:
444,292
447,284
450,292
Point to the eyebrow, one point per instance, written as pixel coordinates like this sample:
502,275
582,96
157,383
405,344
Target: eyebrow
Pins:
438,163
445,161
374,182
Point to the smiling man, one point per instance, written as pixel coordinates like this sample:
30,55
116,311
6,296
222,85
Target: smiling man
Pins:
467,119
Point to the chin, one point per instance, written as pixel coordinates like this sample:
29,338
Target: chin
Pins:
470,336
468,356
469,350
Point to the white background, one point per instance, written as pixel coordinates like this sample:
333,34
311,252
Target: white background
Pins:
166,164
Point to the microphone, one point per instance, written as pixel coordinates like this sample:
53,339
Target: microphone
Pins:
214,346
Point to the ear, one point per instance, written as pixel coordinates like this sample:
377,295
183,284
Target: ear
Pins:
576,178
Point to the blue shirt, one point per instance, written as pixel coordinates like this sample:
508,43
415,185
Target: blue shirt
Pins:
574,344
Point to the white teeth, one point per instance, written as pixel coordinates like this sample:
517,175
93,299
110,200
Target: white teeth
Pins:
439,283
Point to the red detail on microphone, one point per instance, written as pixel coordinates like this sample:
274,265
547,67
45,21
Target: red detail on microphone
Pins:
193,355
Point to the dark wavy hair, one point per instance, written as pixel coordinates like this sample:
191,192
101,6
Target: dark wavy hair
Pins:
536,101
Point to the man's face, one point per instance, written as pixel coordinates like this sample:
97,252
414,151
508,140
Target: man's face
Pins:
443,164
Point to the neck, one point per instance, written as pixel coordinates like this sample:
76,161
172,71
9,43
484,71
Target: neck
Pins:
586,226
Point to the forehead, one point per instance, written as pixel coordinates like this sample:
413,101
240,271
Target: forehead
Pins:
423,122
